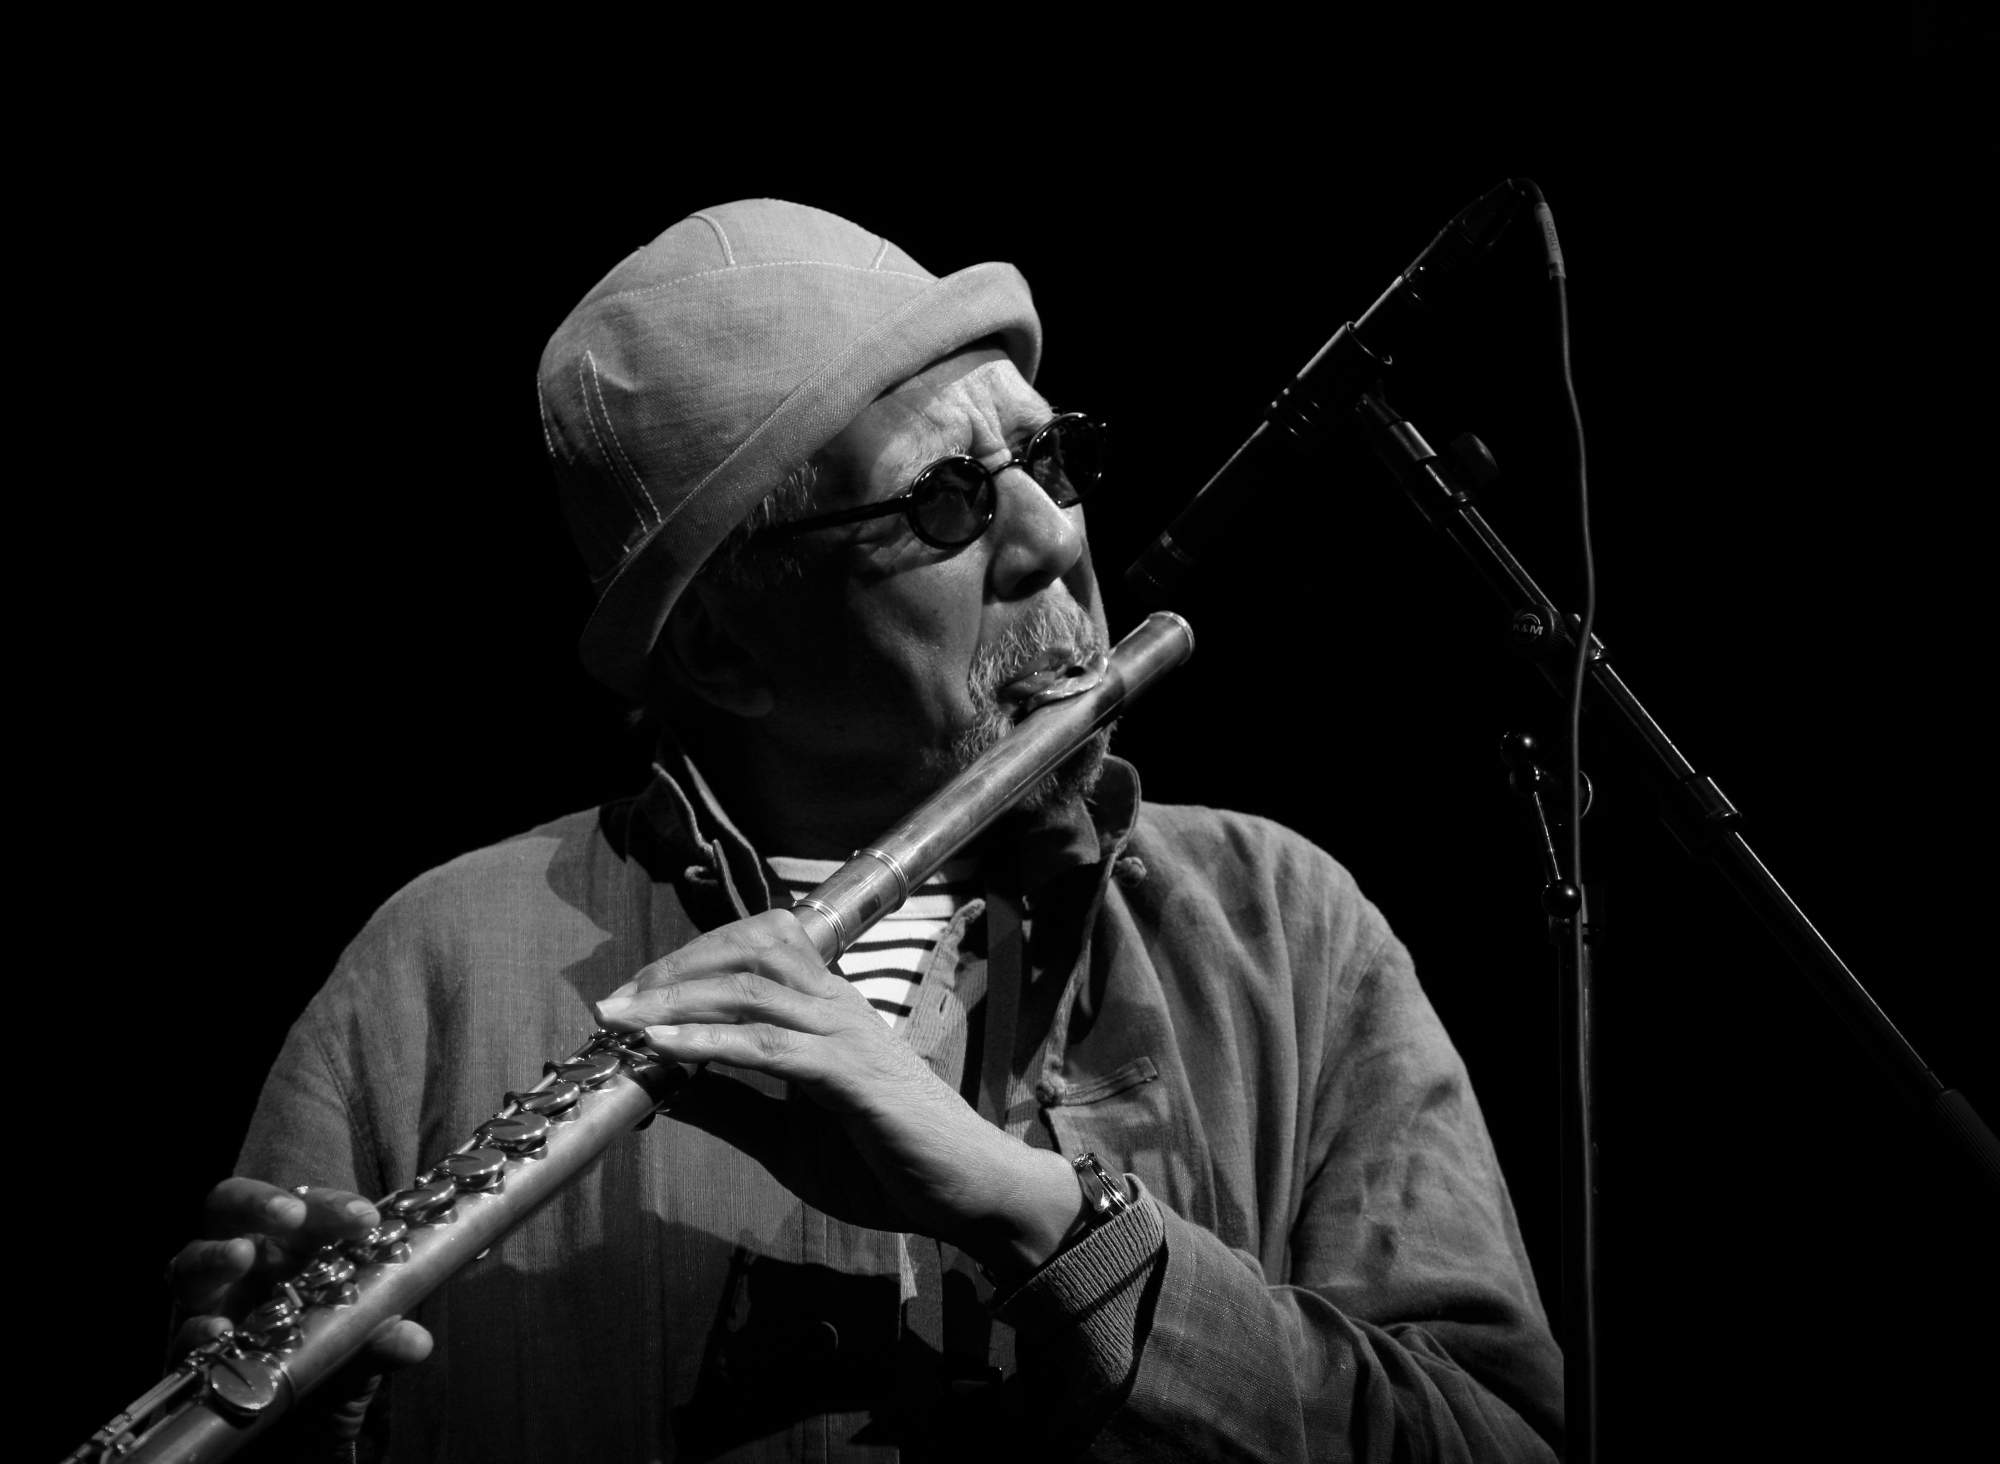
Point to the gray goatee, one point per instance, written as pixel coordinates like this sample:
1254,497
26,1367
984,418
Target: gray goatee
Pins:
1058,624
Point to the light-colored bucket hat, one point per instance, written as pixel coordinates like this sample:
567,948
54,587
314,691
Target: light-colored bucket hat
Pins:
709,364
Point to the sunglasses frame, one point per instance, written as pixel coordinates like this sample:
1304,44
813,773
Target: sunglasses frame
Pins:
907,502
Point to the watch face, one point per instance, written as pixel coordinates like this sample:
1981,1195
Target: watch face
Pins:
1100,1191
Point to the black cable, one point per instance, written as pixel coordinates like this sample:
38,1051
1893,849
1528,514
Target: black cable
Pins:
1579,667
1552,254
1579,1205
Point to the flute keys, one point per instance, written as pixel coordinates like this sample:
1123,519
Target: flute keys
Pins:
327,1280
590,1072
245,1384
386,1244
323,1271
477,1169
423,1204
523,1134
272,1327
557,1102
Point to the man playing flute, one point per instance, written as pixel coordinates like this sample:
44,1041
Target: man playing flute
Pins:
1131,1135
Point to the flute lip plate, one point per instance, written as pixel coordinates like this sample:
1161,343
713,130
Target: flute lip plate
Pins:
1074,680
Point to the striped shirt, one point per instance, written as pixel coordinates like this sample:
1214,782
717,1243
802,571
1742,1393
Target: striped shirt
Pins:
887,963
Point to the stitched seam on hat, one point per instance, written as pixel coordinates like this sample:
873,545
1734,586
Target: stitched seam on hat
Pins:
770,264
591,417
612,427
728,254
542,411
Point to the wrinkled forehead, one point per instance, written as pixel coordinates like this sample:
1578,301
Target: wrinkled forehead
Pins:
976,403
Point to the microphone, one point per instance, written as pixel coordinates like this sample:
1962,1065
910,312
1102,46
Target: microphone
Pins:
1344,367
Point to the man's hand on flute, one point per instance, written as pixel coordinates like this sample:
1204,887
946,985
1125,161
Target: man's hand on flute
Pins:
879,1139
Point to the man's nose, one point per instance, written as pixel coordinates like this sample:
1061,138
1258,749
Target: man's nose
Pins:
1034,542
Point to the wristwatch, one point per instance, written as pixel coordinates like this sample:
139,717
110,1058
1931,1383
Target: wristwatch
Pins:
1103,1198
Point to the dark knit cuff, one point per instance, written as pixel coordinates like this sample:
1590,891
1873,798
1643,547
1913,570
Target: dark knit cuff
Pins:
1083,1307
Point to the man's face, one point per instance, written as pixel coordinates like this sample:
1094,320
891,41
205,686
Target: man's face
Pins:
886,660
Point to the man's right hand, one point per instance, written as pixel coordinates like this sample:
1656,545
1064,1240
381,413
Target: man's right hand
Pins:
257,1234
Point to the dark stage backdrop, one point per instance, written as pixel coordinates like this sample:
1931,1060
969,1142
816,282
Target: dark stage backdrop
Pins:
310,628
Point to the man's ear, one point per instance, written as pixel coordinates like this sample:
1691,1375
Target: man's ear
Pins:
700,653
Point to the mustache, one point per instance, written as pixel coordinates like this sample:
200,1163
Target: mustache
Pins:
1056,625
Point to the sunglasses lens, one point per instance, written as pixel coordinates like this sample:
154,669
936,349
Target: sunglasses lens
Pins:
1067,456
953,502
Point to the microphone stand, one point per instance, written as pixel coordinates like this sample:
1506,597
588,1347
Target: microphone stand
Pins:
1564,901
1707,825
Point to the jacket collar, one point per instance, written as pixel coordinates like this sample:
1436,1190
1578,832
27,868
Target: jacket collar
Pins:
690,821
1049,844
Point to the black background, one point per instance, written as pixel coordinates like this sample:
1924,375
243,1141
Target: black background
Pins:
301,613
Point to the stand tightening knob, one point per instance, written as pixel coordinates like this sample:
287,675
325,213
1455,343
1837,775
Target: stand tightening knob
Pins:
1518,749
1561,900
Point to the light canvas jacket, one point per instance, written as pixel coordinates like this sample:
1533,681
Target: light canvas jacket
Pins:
1323,1263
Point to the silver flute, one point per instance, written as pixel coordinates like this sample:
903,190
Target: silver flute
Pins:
230,1390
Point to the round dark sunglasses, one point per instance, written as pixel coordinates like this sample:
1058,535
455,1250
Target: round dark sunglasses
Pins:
952,501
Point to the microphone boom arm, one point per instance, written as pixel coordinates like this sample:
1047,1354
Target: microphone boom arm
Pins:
1704,821
1354,358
